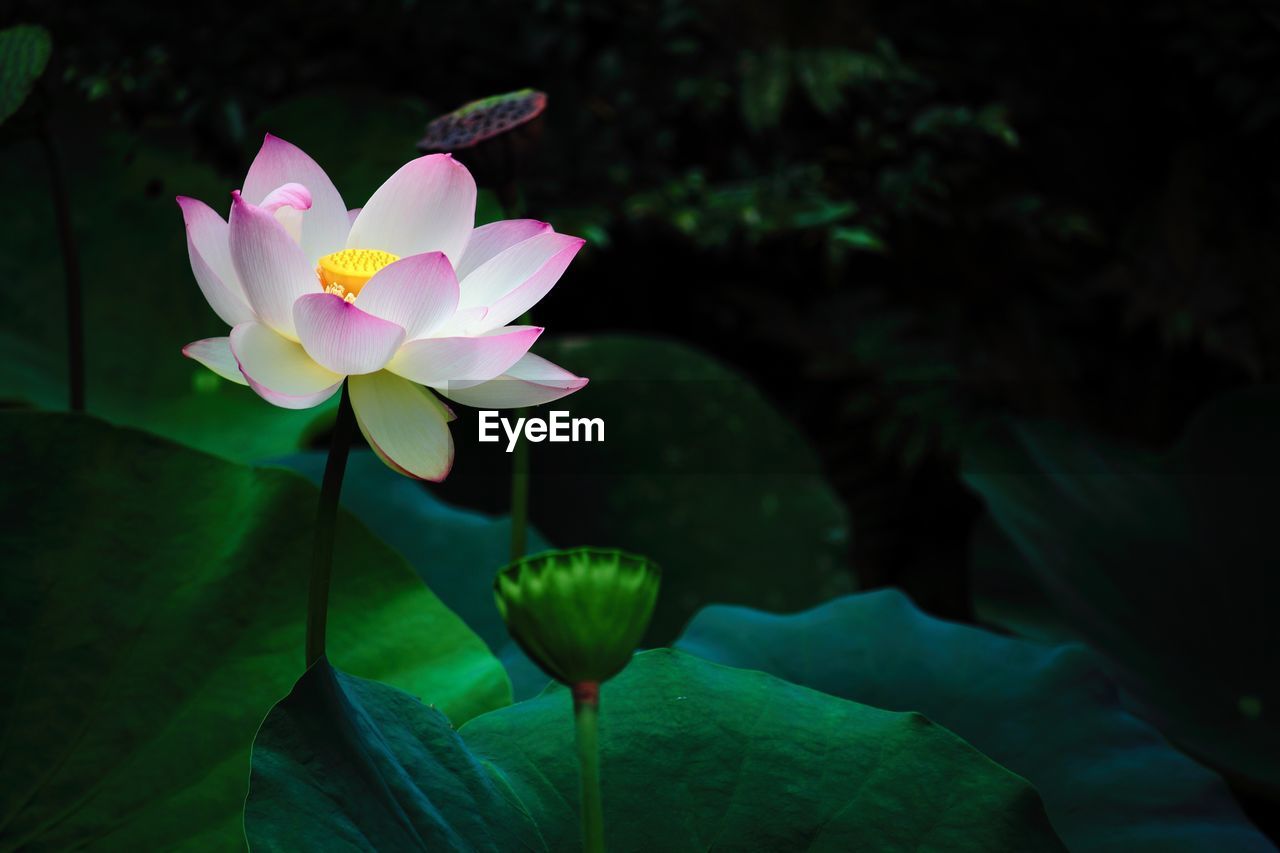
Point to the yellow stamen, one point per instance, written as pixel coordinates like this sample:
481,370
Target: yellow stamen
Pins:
344,273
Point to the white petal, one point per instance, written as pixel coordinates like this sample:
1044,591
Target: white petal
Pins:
208,247
270,264
215,354
465,322
341,337
519,276
531,381
406,425
280,370
488,240
419,293
455,362
324,226
429,205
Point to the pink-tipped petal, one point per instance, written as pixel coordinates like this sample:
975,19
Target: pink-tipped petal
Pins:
429,205
531,381
325,224
287,203
270,264
524,297
295,196
215,354
280,370
419,293
488,240
407,426
341,337
463,323
458,362
210,253
531,266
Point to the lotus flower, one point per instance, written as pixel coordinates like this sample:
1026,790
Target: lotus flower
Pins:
400,294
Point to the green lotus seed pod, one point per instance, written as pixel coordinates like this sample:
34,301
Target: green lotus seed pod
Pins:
579,614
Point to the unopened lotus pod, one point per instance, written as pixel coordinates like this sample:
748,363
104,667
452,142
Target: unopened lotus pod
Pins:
579,614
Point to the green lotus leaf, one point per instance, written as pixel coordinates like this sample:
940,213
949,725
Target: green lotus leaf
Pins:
1110,782
153,611
1165,563
694,756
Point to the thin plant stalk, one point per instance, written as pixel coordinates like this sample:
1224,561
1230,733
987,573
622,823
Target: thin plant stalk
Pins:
70,268
519,497
520,485
326,521
586,712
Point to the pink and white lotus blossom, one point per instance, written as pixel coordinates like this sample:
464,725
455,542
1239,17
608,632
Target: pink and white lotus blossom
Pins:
400,294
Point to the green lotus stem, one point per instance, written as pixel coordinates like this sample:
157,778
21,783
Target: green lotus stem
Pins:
519,497
70,269
520,484
586,710
326,521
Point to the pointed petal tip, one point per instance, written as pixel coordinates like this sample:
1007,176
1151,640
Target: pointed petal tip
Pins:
185,204
215,354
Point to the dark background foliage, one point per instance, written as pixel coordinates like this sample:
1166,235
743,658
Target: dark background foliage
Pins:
901,220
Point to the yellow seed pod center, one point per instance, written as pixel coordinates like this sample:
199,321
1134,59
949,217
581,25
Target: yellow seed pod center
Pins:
344,273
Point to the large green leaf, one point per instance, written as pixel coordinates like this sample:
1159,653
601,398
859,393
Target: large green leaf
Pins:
1109,781
24,52
694,756
697,471
1167,564
153,602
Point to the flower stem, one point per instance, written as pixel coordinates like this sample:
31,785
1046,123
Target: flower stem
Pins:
520,484
586,710
326,518
519,497
70,268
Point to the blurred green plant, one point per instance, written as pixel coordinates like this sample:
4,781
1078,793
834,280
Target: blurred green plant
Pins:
24,53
